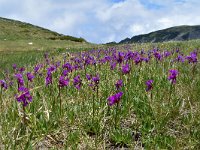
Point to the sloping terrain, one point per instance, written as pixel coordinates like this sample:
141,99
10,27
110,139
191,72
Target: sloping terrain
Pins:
20,36
178,33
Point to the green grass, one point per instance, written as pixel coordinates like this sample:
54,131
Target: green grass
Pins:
15,30
170,119
15,36
42,44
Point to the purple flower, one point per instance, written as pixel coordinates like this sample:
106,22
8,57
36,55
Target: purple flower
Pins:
172,76
21,70
76,67
30,76
14,66
149,85
180,58
192,58
88,77
57,64
146,59
51,68
37,67
107,58
25,97
48,79
113,65
68,66
77,82
129,55
63,82
125,69
96,79
65,72
142,52
119,84
114,98
120,57
3,84
166,53
157,55
137,60
20,80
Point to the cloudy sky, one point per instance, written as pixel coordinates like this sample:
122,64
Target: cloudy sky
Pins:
101,21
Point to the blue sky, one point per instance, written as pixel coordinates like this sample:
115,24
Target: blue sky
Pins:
103,20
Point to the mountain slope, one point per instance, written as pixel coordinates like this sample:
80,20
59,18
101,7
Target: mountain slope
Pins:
15,30
178,33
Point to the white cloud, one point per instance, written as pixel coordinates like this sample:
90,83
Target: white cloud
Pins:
136,29
103,20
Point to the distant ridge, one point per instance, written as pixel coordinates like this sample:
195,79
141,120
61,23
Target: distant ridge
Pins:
13,29
177,33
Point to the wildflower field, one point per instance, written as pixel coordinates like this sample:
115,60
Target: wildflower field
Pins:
122,97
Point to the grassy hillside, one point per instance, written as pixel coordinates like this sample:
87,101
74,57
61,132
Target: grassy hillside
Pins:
17,36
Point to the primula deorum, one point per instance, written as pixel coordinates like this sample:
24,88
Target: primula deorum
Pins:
48,79
192,58
25,96
113,65
30,77
20,80
21,70
115,98
77,82
126,69
173,75
63,81
14,66
88,77
3,84
96,79
119,84
149,85
37,68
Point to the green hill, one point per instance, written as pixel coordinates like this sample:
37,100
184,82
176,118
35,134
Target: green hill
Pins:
13,29
17,35
178,33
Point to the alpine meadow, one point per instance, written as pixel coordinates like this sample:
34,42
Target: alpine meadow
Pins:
62,92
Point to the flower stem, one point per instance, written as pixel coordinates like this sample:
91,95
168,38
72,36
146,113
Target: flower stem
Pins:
93,108
1,99
116,115
24,115
60,100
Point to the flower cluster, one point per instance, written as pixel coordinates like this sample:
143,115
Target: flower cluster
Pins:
3,84
20,80
30,76
77,82
192,58
50,70
63,81
94,81
172,75
25,96
125,69
149,85
115,98
119,84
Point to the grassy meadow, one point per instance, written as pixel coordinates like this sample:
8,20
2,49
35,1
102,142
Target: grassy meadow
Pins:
120,97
